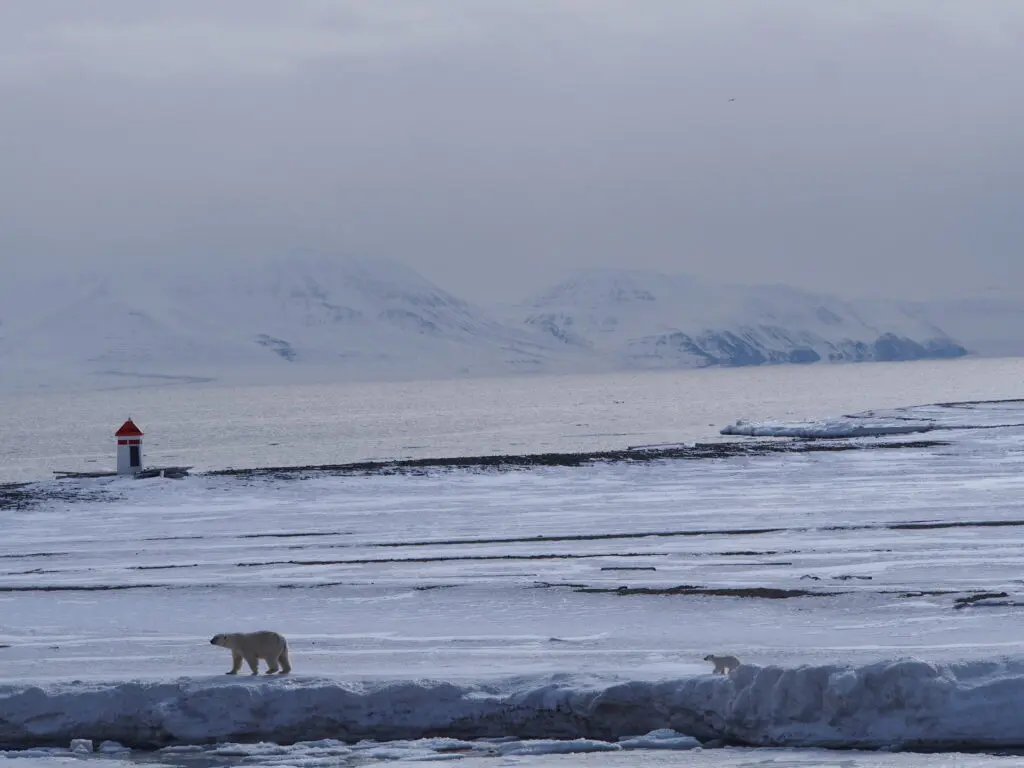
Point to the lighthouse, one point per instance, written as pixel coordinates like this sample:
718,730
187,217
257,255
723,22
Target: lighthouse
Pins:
129,448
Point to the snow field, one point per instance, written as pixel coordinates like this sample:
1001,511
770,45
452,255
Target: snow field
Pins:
557,603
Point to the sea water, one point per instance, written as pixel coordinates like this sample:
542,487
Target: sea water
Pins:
211,426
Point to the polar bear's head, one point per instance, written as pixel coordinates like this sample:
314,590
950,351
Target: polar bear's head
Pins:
221,640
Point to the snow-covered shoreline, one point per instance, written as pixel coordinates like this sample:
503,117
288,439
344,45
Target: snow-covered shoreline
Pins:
898,704
567,606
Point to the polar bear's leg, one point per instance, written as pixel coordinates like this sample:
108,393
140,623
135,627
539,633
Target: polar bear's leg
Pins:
286,665
254,663
271,665
236,662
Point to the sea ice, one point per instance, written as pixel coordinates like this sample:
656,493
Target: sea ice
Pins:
841,428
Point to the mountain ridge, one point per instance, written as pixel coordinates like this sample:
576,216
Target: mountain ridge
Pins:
353,319
654,320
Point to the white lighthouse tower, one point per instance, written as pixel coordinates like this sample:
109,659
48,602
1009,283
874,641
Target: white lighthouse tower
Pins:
129,448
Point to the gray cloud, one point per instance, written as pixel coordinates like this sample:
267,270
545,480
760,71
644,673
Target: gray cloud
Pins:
496,145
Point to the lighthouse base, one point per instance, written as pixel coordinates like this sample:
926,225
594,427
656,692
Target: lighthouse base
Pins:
171,472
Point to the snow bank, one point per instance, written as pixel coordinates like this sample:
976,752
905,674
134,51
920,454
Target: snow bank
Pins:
837,428
331,753
63,759
905,703
663,738
554,747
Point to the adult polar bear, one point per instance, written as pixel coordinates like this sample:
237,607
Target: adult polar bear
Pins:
253,646
723,664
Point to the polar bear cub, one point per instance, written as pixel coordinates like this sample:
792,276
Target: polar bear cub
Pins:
253,646
723,664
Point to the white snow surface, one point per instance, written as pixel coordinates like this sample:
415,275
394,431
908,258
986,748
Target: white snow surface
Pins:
872,596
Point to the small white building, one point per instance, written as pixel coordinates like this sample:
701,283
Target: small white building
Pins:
129,448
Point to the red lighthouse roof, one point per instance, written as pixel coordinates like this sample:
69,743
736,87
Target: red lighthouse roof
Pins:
128,429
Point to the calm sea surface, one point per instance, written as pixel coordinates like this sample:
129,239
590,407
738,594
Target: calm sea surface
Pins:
211,426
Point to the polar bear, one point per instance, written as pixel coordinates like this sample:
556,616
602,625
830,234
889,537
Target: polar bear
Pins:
253,646
723,664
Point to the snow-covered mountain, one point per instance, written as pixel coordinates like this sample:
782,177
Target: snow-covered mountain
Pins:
355,320
651,320
310,318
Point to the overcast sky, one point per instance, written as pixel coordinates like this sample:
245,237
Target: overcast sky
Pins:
866,147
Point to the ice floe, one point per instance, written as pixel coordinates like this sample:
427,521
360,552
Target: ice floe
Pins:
895,421
835,429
